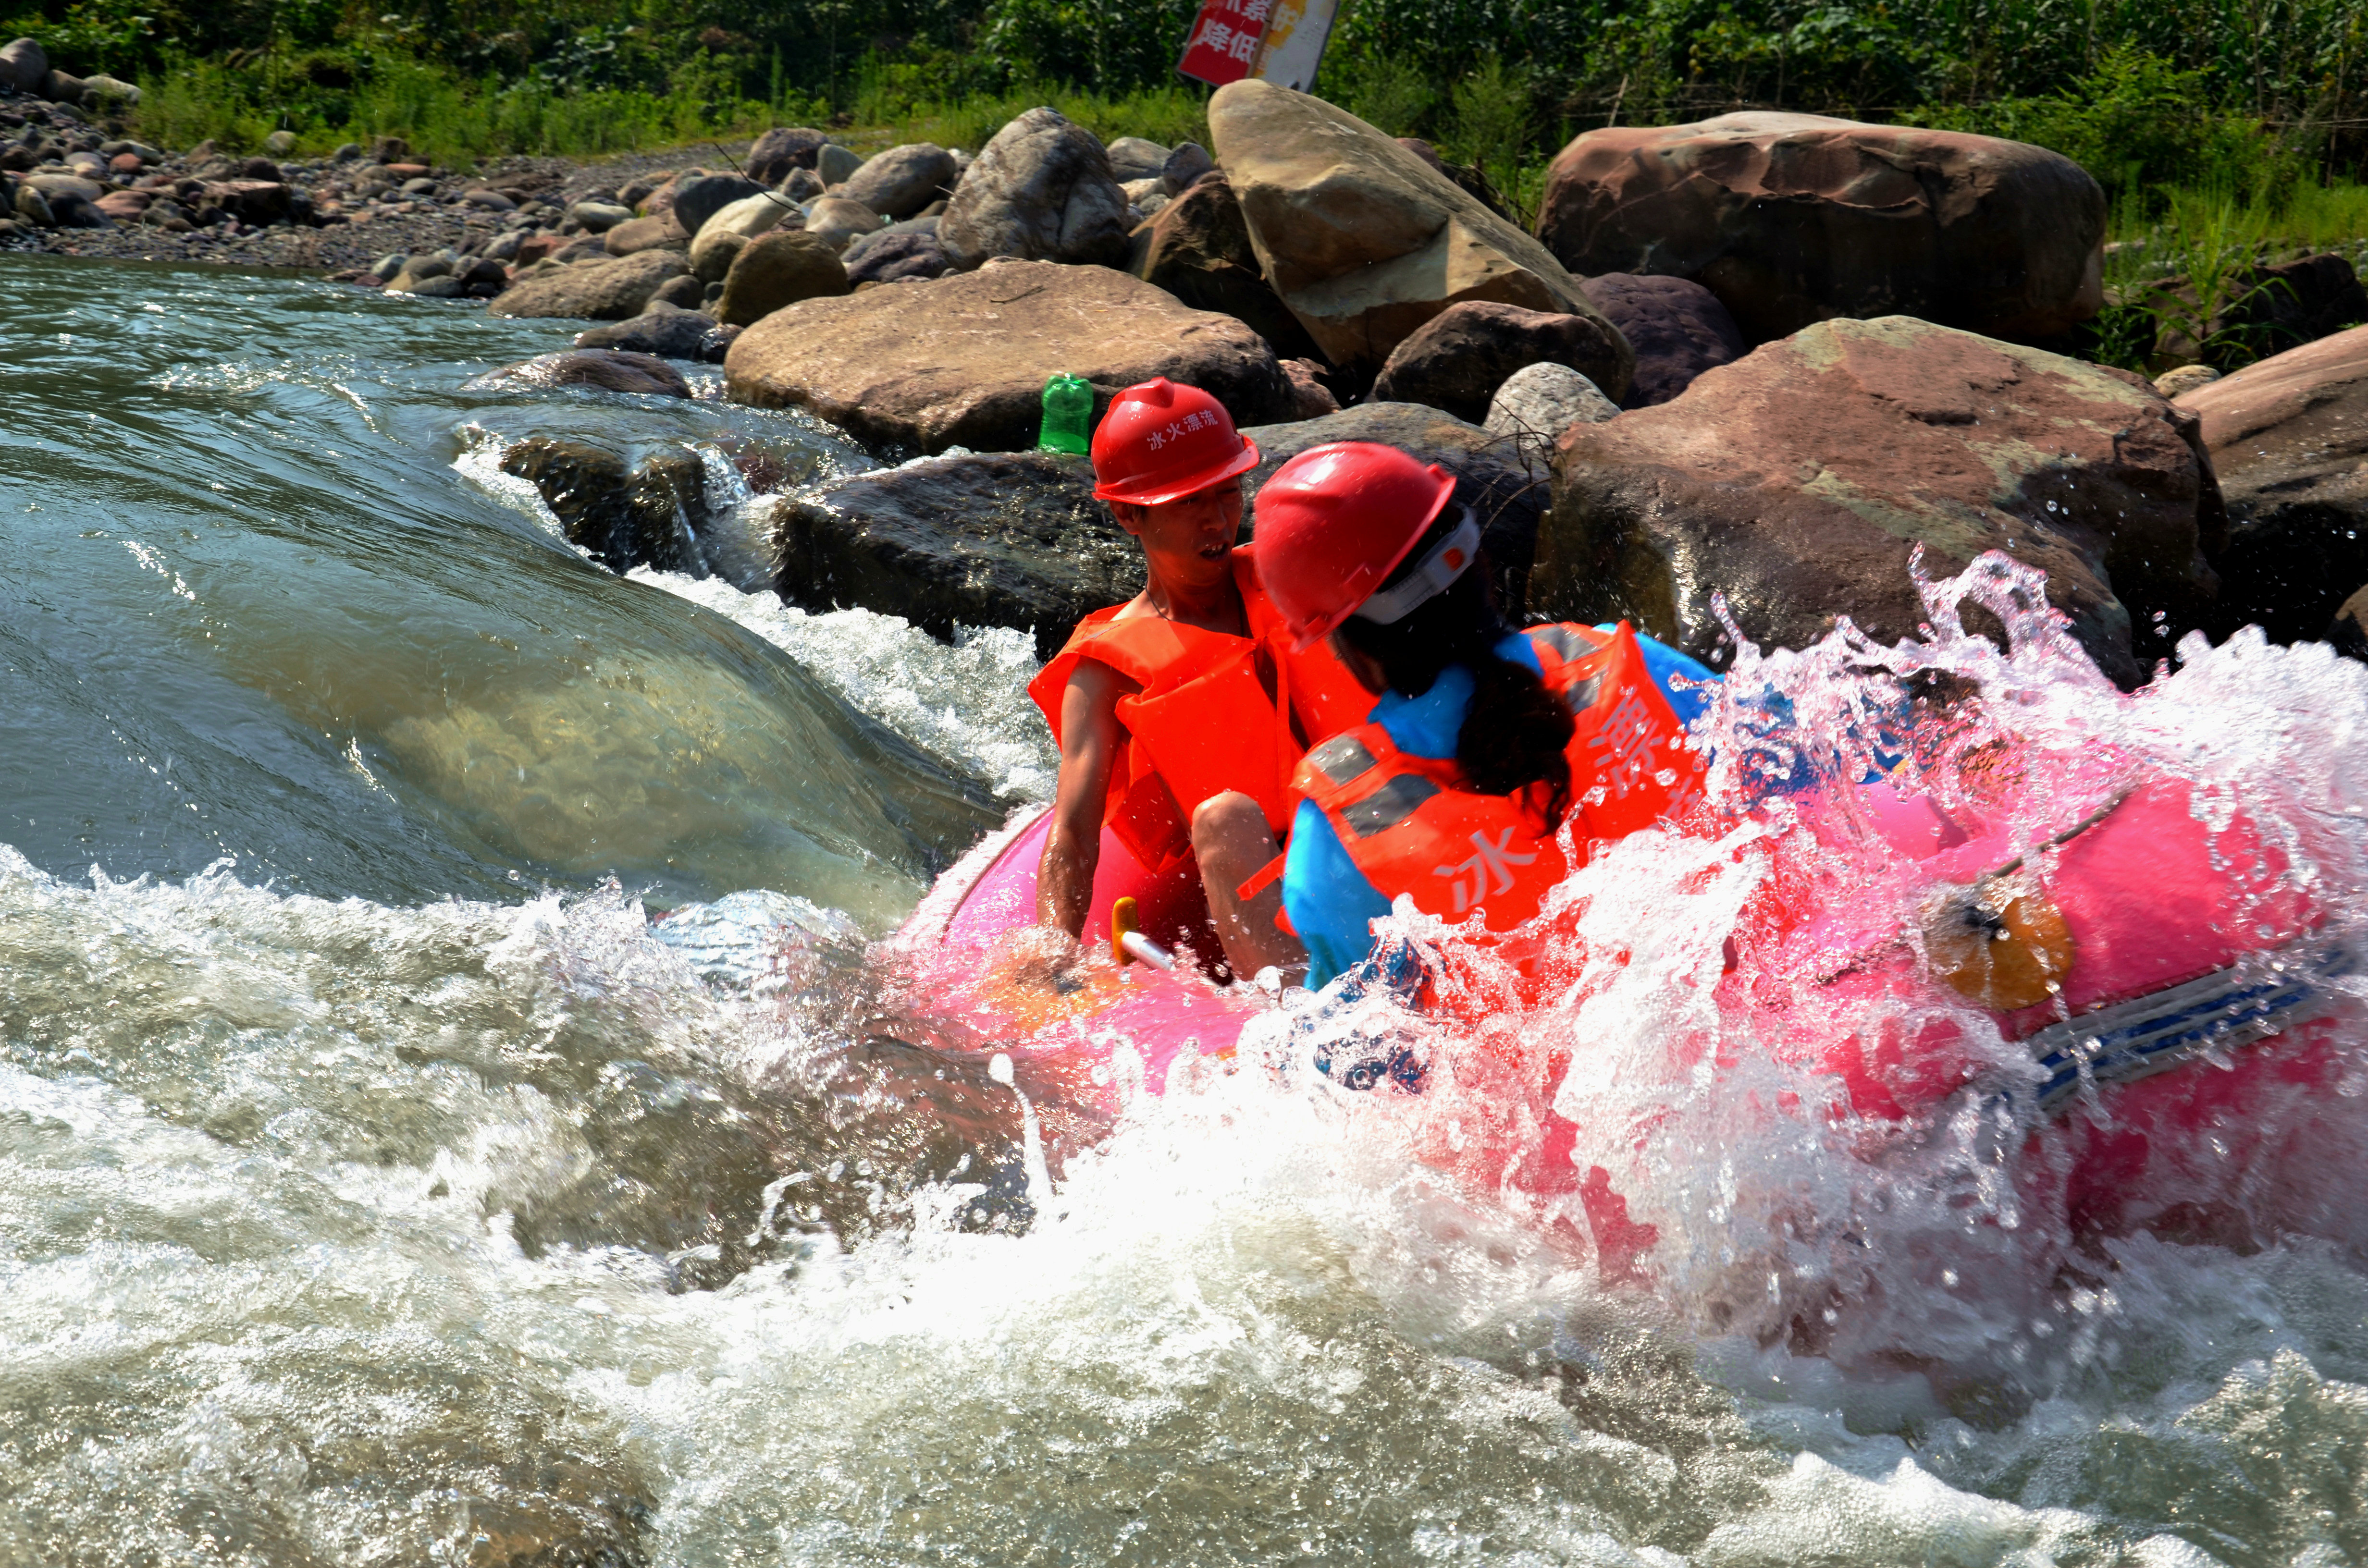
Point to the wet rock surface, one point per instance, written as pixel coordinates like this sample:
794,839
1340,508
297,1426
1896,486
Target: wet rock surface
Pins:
610,370
1791,219
1797,479
1678,329
1508,491
621,518
1457,359
666,331
1365,241
963,360
2289,439
1010,539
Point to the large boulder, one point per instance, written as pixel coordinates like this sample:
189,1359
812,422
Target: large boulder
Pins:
258,201
23,64
1458,359
985,540
1508,490
1791,218
1677,328
1197,248
587,365
623,518
784,148
1796,480
775,270
1366,242
963,360
1042,190
615,288
700,197
2289,437
901,181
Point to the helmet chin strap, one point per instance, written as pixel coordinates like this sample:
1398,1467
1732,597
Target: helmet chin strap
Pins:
1447,561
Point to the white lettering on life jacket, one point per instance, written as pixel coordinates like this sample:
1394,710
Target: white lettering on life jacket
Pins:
1469,879
1627,739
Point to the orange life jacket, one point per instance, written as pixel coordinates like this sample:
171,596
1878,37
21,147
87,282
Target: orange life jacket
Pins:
1413,826
1216,712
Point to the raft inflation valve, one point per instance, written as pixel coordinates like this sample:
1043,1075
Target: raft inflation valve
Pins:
1068,416
1127,942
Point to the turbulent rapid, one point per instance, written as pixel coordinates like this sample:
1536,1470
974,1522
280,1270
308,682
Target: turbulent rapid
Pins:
379,1183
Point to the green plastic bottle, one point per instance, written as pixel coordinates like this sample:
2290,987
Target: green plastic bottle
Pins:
1068,416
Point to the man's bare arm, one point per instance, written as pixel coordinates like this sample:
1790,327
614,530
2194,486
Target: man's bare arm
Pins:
1090,740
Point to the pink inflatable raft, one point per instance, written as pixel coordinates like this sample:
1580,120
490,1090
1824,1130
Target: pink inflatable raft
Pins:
2170,974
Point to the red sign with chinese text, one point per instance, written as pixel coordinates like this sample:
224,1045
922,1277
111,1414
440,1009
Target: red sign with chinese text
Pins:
1225,40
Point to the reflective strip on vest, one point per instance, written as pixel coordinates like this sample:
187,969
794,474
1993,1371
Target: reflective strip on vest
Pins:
1341,758
1397,798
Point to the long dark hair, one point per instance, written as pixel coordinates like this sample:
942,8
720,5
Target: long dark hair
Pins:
1515,732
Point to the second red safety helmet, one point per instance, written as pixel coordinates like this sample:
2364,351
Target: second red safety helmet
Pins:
1161,441
1334,521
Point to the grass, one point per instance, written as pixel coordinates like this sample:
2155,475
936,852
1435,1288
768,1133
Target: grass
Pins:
2179,260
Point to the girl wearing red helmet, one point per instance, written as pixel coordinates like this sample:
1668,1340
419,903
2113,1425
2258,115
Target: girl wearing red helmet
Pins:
1182,714
1485,740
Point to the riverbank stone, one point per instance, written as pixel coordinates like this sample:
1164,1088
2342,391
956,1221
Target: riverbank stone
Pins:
701,197
1796,480
1041,190
1012,539
666,329
1536,405
776,270
782,149
1677,328
1793,219
1197,248
1366,242
2289,439
898,183
1457,359
616,288
896,254
963,360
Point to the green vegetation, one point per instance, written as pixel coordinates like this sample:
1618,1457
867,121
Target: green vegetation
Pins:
2223,131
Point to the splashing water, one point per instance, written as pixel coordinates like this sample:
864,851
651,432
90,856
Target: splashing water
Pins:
402,1215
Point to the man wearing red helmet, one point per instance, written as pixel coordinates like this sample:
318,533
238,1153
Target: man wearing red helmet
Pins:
1181,715
1485,740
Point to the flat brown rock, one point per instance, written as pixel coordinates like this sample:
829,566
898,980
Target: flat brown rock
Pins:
1791,218
2289,437
1365,241
1797,479
963,360
612,288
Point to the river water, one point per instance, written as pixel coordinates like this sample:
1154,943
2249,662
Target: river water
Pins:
377,1187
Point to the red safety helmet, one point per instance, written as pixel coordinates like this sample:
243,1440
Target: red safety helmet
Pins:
1334,521
1160,442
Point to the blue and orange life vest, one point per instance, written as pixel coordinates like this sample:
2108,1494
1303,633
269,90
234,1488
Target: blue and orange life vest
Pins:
1215,712
1415,825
